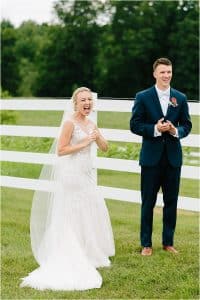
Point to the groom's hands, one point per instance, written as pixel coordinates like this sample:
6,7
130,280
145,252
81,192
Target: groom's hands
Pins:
164,126
172,129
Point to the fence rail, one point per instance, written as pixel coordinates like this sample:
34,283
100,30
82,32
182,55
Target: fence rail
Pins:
61,104
111,134
122,165
185,203
115,164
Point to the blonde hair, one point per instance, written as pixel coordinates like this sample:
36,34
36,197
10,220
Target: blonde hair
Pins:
76,92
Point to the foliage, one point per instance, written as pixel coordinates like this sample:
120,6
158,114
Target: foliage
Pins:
31,144
7,116
9,61
184,63
108,46
31,38
5,94
122,151
140,32
72,48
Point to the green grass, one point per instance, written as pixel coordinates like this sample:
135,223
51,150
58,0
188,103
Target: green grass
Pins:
39,118
162,276
31,144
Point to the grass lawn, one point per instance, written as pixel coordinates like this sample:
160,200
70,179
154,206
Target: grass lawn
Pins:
162,276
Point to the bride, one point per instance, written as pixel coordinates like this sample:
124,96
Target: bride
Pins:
71,233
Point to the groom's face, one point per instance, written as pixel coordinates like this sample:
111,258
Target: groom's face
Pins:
163,76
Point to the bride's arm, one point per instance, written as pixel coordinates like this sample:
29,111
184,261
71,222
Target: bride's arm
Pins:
100,140
64,146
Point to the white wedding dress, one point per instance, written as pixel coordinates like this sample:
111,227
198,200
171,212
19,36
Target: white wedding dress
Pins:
76,235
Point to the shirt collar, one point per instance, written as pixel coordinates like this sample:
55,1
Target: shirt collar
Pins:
165,92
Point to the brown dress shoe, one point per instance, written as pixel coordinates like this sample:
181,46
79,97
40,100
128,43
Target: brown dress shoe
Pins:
146,251
170,249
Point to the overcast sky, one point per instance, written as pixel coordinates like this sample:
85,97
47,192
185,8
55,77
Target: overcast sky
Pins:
18,11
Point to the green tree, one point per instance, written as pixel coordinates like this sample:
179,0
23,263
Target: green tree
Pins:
124,49
68,59
138,33
9,60
31,38
113,58
185,50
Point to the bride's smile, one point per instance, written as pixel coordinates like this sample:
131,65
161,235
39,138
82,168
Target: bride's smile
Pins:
83,103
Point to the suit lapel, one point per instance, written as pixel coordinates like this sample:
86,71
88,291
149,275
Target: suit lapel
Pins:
156,101
169,110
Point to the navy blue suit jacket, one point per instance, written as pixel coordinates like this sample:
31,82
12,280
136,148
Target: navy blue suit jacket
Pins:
145,114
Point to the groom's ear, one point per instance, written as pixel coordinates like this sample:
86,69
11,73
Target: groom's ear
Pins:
154,75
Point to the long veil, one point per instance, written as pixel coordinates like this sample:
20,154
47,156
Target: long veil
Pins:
43,201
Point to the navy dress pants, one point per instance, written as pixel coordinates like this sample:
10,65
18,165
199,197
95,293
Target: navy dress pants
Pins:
152,178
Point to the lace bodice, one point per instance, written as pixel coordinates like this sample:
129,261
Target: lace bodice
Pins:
79,133
82,160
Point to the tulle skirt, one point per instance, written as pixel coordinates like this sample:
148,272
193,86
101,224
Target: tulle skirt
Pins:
77,236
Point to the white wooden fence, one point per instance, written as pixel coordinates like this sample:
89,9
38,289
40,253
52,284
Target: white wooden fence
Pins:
192,140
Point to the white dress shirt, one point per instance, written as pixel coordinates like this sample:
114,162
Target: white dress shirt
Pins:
164,97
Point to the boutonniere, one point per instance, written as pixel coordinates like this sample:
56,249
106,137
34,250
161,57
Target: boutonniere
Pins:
173,102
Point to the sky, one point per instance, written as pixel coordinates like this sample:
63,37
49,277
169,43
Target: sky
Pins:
18,11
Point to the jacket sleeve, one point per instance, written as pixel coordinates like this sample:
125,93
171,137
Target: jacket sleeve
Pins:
138,122
185,124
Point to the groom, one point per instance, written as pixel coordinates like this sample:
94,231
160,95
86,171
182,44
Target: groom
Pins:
160,115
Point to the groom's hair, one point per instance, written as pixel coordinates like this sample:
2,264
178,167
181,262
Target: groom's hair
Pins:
161,61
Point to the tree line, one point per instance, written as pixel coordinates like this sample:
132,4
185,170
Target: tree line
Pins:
108,46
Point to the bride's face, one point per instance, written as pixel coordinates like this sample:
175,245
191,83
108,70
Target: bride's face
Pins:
84,103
